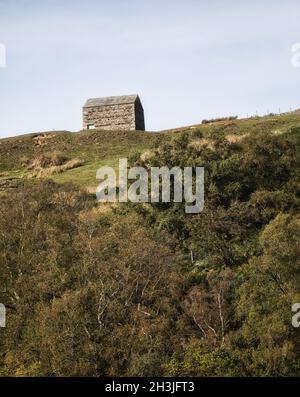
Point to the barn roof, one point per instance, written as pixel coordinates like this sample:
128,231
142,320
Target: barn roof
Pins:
111,100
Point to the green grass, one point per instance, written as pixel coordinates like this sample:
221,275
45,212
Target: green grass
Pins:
99,148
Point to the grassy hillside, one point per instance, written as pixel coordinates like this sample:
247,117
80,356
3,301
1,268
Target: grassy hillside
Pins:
98,148
148,290
95,149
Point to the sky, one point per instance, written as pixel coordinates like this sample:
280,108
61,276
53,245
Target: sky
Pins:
188,60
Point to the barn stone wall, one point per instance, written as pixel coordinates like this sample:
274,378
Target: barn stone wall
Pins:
139,117
121,116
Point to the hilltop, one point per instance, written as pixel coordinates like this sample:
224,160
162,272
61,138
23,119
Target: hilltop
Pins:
75,156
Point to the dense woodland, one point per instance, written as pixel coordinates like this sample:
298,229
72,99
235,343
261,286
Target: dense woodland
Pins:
98,289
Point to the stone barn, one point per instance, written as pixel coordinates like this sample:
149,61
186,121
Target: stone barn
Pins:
114,113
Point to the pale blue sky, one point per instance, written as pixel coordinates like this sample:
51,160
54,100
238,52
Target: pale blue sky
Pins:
188,60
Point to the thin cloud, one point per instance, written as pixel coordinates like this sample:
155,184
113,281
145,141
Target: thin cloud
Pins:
199,59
